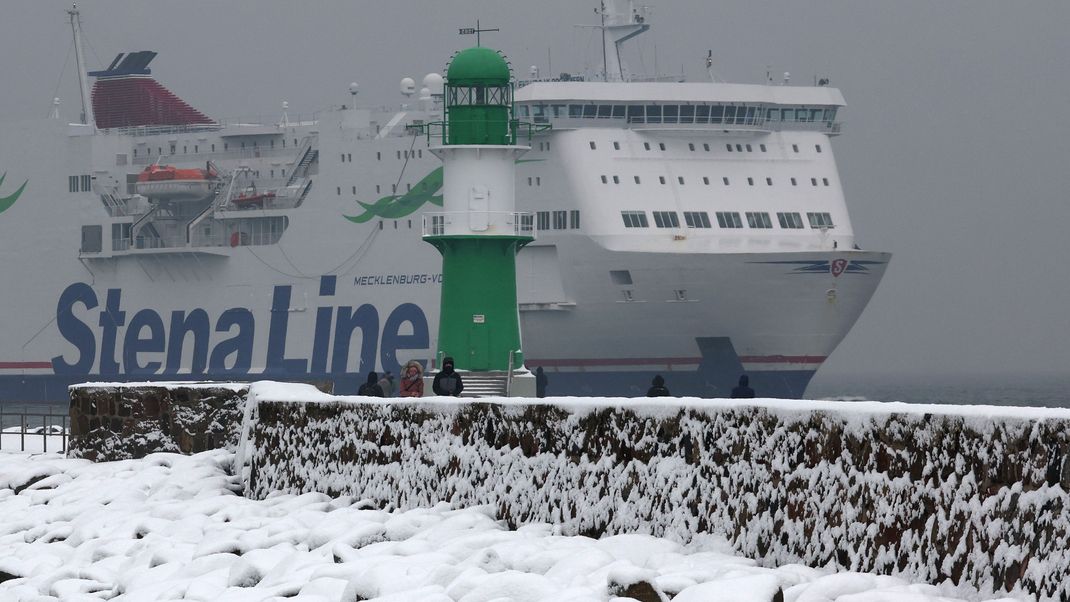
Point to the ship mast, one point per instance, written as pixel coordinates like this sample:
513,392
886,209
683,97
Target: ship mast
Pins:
621,21
83,78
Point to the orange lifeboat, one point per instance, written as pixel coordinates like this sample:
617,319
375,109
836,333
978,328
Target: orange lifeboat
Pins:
249,199
169,183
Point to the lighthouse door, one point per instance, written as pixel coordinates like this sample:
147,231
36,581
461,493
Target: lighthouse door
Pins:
478,346
478,205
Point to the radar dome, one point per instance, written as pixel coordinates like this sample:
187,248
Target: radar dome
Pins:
354,88
408,86
433,82
478,66
425,93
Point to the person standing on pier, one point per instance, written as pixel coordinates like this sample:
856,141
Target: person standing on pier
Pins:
447,382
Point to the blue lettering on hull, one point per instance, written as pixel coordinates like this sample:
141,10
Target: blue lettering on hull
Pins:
142,345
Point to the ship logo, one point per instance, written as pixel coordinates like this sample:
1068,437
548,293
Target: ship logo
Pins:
399,206
836,267
7,201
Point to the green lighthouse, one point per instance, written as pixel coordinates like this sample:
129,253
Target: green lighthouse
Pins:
479,231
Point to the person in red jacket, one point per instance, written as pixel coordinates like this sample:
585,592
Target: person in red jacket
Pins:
412,380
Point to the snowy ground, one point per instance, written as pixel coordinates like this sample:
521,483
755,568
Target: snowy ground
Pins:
171,527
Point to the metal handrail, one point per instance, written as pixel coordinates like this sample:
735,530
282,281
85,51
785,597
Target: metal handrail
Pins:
516,223
48,420
509,374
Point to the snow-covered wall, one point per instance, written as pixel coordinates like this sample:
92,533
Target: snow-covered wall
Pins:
971,495
122,421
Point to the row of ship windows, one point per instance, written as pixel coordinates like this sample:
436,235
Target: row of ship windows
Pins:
737,148
408,154
725,219
561,220
79,183
706,181
173,147
702,113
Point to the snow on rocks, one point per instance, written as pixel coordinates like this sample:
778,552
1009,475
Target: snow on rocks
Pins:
171,527
974,495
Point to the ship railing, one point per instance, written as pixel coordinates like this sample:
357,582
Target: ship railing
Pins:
479,223
517,132
260,152
260,121
28,430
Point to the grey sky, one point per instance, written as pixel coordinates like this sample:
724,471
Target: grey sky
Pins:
954,157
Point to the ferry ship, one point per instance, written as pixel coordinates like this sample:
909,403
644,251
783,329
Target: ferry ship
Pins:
696,230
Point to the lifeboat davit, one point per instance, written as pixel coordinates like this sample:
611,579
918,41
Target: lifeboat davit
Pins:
168,183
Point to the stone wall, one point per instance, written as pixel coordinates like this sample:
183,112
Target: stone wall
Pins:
967,495
124,421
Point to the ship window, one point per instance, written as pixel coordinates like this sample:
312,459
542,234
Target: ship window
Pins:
636,179
131,183
620,277
590,111
725,180
354,190
750,181
791,221
661,145
538,181
680,179
759,219
544,220
575,111
691,146
399,154
653,114
818,147
529,180
634,219
769,181
343,157
666,219
618,111
813,181
605,180
825,181
380,224
635,114
87,183
705,180
616,146
377,188
605,111
716,113
671,113
339,191
159,150
574,219
794,182
739,148
729,219
750,149
393,188
213,147
646,145
819,220
72,183
661,179
729,147
706,147
687,114
593,147
697,219
762,147
184,149
560,220
795,147
92,239
420,153
729,114
378,156
702,114
172,149
616,179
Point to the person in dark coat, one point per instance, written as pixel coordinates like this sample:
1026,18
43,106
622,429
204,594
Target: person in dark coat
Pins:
540,382
371,388
658,389
447,382
743,391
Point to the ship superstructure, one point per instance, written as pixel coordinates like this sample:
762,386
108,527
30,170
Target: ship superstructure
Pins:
696,230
